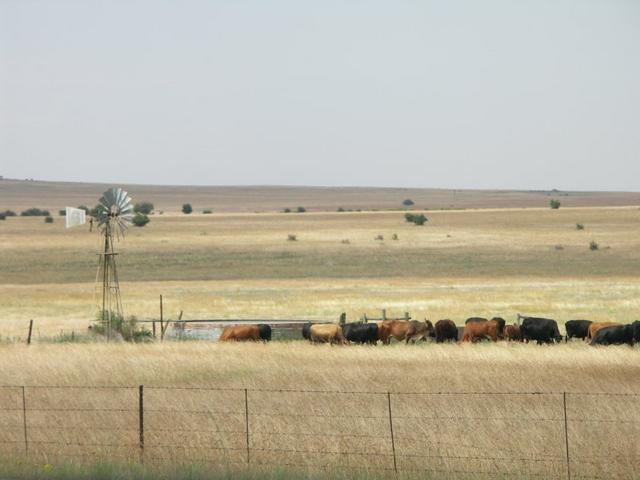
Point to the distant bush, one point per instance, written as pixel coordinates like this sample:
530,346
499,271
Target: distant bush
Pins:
417,219
287,210
394,236
340,209
379,237
48,219
408,202
143,207
186,208
207,211
579,226
346,241
85,208
593,245
35,212
554,203
301,209
559,247
292,238
3,216
62,213
9,213
140,219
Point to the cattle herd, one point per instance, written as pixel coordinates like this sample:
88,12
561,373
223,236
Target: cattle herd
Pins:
542,330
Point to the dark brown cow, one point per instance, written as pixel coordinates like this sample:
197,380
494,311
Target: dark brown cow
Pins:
244,333
446,330
596,326
512,332
477,330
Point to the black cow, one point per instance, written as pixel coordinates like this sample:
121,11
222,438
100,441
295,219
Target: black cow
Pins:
618,334
542,330
577,329
265,332
445,330
361,332
306,331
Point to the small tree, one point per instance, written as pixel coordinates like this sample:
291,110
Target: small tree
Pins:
143,207
9,213
140,219
554,203
416,219
35,212
62,213
287,210
301,209
186,208
3,216
48,219
408,202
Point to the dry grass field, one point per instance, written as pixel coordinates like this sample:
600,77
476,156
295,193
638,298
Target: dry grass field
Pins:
241,265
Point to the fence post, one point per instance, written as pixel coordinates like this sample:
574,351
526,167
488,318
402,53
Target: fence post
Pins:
566,435
246,422
24,420
384,314
141,420
30,330
153,324
393,441
161,323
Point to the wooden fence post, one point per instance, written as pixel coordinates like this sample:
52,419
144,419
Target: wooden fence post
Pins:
141,420
30,331
24,421
161,324
406,316
566,435
246,422
393,441
153,324
384,314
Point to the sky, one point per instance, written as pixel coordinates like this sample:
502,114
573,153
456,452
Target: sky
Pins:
450,94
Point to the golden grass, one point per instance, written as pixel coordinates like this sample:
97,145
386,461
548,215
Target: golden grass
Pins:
431,431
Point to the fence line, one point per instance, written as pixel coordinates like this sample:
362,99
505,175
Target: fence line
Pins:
554,435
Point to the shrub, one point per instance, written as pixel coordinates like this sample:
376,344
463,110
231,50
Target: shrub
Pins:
554,203
85,208
62,213
408,202
593,245
287,210
207,211
340,209
143,207
186,208
559,247
379,237
48,219
394,236
35,212
301,209
140,219
292,238
9,213
345,241
579,226
3,216
417,219
126,328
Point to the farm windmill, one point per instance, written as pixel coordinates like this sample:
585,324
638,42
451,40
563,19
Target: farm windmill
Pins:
114,213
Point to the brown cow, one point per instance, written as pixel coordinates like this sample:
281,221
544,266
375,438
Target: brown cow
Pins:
243,333
419,330
326,333
595,326
512,332
399,329
479,329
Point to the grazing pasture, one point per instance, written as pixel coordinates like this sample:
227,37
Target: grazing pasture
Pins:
461,264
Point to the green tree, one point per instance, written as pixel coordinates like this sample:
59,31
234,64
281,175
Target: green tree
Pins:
554,203
408,202
186,208
143,207
140,219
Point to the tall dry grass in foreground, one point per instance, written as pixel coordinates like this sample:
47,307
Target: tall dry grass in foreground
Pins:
493,424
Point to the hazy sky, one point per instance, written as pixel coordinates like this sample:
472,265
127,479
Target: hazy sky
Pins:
506,94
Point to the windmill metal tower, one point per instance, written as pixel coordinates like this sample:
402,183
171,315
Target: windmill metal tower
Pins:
114,213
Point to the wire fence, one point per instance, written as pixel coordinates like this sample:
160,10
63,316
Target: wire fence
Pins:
467,434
